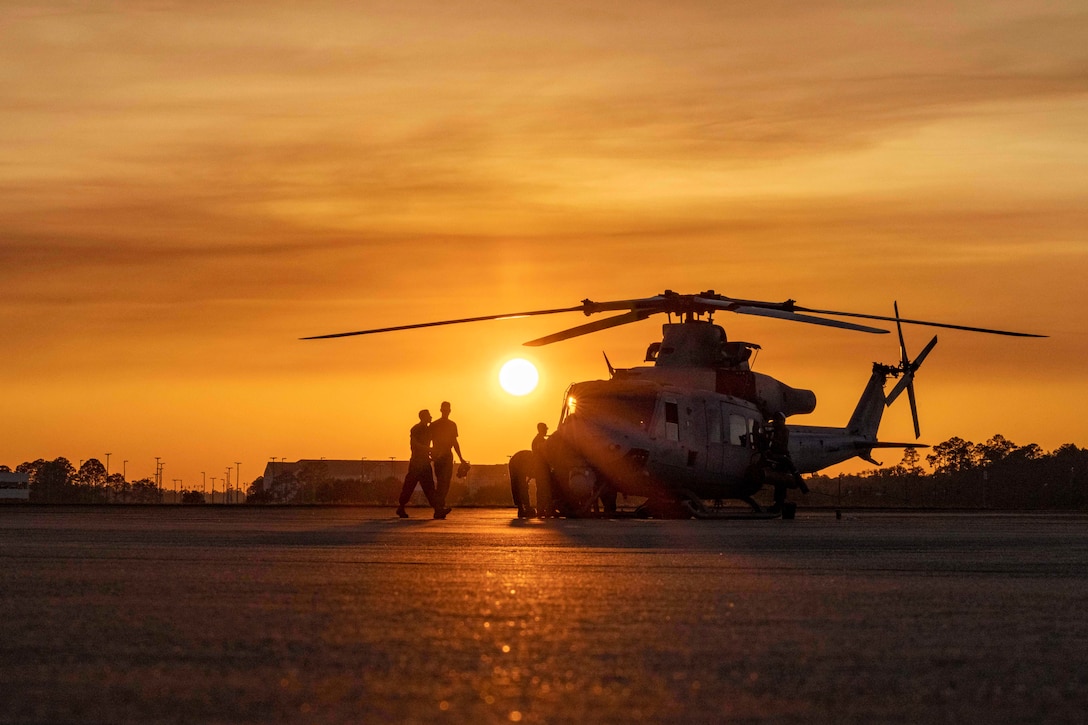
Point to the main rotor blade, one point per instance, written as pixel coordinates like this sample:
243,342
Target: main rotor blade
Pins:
508,315
794,317
917,322
596,326
657,303
673,303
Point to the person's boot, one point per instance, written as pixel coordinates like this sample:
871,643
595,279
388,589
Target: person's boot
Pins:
401,512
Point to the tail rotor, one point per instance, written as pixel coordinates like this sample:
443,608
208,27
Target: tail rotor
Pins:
906,369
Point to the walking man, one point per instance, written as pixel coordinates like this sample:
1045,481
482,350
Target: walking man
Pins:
444,444
419,466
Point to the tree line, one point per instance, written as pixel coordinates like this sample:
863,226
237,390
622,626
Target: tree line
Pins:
996,474
58,481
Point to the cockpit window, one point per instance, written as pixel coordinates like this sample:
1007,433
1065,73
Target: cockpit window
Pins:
630,409
636,409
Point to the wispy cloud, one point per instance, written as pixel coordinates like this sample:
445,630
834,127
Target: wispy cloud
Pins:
214,176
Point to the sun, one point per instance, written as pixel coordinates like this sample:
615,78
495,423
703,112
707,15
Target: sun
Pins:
518,377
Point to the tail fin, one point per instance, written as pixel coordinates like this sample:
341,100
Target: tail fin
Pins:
870,408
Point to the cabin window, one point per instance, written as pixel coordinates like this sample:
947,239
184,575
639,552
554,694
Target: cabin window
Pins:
672,421
738,430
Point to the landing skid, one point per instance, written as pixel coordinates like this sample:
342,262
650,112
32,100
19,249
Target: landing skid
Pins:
787,511
696,508
729,513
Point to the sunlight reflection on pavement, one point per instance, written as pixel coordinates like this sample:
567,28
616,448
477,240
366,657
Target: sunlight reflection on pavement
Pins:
350,615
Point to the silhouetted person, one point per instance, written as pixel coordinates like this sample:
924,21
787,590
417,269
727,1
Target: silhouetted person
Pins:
521,470
419,465
540,439
778,456
541,472
779,441
443,444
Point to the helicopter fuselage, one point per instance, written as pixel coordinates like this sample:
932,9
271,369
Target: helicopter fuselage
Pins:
681,430
642,438
694,424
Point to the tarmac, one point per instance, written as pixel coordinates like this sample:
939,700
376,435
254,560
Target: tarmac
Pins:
243,614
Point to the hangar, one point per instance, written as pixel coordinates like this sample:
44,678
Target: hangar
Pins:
14,486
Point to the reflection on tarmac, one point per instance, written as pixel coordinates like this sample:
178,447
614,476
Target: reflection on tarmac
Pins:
351,615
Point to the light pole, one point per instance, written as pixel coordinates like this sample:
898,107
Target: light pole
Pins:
213,489
226,486
238,479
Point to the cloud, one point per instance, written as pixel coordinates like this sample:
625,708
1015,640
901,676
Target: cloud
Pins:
186,190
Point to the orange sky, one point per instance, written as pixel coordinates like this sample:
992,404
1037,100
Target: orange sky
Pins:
187,188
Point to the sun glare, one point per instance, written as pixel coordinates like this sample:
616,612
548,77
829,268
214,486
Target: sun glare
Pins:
518,377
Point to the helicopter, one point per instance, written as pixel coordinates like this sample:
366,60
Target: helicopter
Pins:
698,426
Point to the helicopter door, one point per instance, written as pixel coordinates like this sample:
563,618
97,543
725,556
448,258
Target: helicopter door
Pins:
738,430
695,433
674,448
715,440
672,421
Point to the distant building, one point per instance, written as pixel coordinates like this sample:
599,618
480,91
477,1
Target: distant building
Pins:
479,476
14,486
